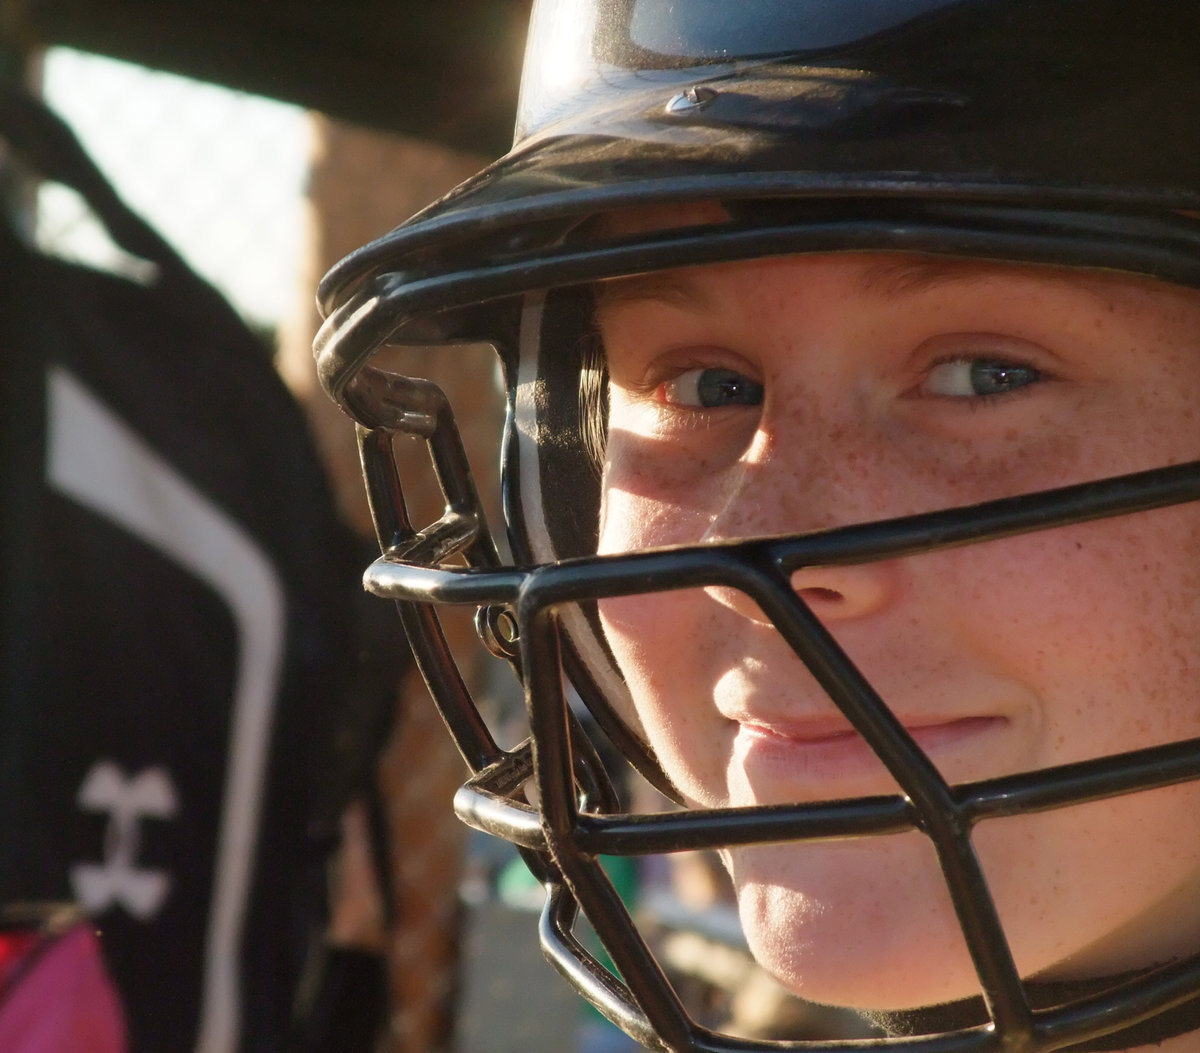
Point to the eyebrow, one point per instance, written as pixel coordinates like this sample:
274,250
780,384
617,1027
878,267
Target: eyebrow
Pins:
664,287
895,277
898,277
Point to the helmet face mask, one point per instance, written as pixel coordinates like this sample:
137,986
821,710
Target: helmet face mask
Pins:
512,259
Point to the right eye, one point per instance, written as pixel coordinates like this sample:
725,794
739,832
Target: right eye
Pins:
711,389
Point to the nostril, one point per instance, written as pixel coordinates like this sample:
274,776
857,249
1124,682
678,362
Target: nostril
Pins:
821,595
838,593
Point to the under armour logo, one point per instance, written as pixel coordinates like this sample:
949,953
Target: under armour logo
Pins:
149,794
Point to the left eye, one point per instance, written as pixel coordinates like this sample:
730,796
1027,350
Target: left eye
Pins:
978,378
711,389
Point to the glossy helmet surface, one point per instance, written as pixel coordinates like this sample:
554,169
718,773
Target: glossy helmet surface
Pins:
1057,131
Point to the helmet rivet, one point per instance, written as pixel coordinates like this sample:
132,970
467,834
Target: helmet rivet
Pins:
694,98
498,629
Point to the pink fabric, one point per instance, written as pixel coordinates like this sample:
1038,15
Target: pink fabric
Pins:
65,1002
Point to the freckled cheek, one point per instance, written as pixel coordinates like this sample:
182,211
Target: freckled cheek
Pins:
661,640
665,646
663,489
639,511
1101,622
1152,629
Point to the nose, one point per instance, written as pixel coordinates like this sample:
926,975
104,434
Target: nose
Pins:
780,491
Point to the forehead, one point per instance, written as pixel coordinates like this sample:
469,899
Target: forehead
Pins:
880,274
894,278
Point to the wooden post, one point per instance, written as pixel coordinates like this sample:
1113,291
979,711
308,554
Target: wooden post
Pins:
362,184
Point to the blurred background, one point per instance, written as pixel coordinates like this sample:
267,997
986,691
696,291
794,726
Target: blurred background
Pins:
263,141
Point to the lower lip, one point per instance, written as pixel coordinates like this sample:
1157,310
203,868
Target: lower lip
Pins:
843,756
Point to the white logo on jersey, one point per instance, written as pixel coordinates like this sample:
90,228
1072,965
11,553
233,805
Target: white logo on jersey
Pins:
149,794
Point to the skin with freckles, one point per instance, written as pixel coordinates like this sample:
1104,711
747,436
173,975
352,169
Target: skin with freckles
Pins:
797,393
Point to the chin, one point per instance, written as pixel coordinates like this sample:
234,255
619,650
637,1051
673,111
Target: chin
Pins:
859,926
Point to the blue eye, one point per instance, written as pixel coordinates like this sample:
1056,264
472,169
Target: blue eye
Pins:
712,389
978,378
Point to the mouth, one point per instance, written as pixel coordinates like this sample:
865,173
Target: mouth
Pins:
826,758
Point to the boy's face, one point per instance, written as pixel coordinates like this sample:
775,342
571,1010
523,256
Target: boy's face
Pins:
794,394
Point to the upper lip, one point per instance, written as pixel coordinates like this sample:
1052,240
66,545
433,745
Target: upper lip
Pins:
814,729
829,728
